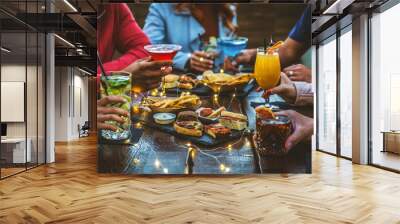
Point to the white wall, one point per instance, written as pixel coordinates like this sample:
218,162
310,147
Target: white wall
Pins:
34,125
16,73
71,103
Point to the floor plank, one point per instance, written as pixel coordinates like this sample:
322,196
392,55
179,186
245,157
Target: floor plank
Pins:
71,191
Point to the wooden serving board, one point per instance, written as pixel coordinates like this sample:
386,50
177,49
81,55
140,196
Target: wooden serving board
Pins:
204,140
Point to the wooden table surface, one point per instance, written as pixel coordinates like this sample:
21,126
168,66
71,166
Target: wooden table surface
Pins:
161,153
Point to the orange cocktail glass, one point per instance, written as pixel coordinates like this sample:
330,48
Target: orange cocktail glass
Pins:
267,69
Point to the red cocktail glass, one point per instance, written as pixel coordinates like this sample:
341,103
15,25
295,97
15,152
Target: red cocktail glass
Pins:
162,52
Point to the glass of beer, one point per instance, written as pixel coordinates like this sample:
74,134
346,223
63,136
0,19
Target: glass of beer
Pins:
267,69
271,135
117,84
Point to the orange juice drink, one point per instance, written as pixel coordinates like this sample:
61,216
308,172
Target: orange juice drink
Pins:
267,68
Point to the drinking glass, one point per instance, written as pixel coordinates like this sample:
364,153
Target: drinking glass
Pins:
267,69
162,52
271,135
118,84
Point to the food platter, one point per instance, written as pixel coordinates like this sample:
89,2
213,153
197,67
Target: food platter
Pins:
207,84
183,117
173,104
222,82
204,140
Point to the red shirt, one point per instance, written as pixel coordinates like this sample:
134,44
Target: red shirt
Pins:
118,30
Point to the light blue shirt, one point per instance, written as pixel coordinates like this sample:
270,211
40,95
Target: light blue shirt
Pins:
164,25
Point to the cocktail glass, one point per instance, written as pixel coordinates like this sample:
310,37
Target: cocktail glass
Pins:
267,69
118,84
271,135
231,46
162,52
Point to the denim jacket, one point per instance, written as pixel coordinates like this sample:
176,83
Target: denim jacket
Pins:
165,25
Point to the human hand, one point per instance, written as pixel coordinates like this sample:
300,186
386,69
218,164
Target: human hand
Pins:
105,113
298,72
147,74
285,89
303,128
201,61
247,56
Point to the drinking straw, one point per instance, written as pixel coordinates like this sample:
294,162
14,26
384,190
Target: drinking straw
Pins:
265,45
103,71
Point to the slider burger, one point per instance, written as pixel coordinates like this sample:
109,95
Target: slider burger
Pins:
217,130
187,123
186,82
205,112
232,120
210,113
170,81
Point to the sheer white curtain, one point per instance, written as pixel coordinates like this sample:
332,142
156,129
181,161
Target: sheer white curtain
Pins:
346,94
327,96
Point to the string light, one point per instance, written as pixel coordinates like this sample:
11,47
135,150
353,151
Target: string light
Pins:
165,170
136,89
135,108
227,169
154,92
221,71
157,163
247,143
188,144
136,161
229,147
138,125
222,167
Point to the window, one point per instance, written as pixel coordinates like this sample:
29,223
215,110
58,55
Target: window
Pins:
22,76
385,89
327,96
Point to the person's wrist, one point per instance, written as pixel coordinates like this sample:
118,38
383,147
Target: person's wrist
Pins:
292,93
253,55
188,62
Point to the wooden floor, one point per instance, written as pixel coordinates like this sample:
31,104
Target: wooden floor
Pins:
70,191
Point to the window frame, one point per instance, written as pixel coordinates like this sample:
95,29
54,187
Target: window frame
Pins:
333,37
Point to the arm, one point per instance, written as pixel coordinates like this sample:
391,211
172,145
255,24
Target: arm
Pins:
156,30
130,40
290,52
305,95
154,26
298,42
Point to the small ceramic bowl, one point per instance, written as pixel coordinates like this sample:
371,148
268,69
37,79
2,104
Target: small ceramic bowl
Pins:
164,118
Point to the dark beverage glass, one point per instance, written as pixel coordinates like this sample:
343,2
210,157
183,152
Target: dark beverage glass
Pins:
271,135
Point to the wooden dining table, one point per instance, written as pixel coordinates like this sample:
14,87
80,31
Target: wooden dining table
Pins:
157,152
